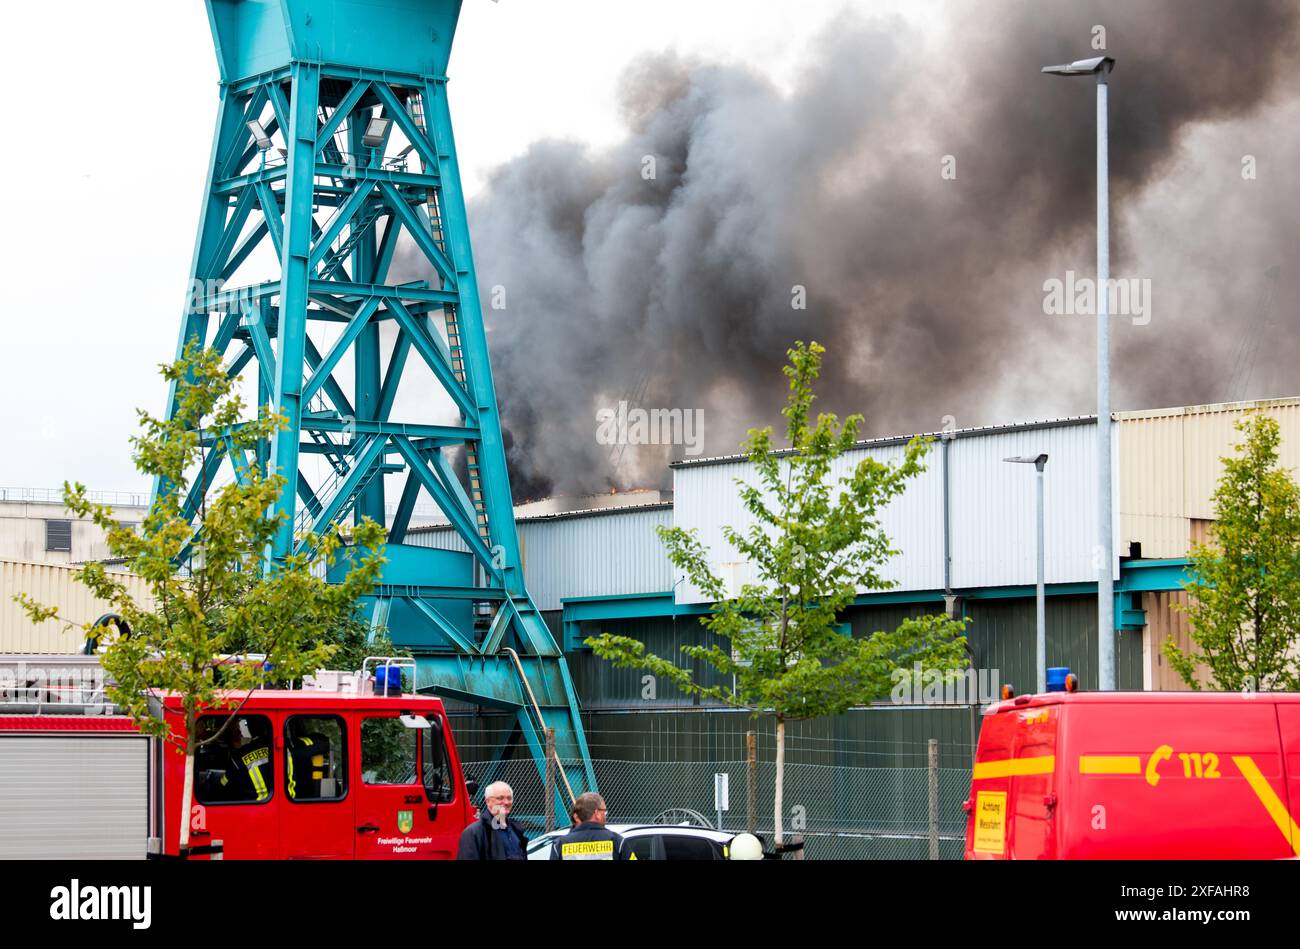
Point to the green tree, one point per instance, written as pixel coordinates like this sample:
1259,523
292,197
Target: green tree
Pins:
814,542
230,601
1244,593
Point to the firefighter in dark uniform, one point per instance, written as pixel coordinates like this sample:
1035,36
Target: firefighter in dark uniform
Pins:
588,839
248,773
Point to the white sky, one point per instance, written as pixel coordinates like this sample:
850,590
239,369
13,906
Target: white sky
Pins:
106,149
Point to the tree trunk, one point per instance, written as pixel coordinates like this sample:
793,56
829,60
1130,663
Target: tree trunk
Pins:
187,799
779,797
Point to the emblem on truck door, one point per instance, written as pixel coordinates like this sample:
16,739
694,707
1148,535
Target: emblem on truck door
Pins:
405,821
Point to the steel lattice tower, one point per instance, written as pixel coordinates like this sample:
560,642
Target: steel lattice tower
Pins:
333,145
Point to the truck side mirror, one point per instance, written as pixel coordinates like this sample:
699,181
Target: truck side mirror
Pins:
471,786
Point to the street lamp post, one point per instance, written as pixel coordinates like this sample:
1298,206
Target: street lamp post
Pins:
1101,66
1040,640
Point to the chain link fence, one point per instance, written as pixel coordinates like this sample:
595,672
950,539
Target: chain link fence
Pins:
844,813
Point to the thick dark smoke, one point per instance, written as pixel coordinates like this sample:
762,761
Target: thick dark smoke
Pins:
927,292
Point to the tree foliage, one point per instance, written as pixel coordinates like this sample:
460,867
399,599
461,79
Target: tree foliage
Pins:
232,600
1244,593
814,541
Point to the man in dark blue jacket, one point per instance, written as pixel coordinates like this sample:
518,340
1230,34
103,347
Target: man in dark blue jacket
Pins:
588,839
494,836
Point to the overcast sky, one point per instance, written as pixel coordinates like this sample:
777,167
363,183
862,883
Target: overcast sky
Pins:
103,172
110,125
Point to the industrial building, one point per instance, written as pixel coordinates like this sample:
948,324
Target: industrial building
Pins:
965,529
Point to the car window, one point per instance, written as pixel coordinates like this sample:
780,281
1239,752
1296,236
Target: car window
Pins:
388,752
643,847
235,768
315,752
681,847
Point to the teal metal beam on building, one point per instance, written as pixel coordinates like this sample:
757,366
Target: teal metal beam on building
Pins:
1136,576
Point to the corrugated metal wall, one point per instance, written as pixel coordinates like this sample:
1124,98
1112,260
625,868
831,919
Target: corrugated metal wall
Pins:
51,586
993,507
1166,621
1170,466
1000,632
595,555
601,554
68,797
705,498
993,519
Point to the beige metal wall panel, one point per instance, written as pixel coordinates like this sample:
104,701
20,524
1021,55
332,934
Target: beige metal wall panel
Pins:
1166,620
22,532
1170,465
51,586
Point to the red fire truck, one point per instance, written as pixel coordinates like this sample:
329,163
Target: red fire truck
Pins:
335,770
1137,775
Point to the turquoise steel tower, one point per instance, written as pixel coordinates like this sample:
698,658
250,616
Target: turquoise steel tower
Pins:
333,155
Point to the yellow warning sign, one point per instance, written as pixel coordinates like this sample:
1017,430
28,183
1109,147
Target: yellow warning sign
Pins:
990,821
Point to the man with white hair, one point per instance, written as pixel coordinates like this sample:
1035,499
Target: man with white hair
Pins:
494,836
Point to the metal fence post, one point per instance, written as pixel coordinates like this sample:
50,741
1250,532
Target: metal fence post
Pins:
549,789
933,775
751,782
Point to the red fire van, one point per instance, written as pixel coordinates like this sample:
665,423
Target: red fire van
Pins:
1137,775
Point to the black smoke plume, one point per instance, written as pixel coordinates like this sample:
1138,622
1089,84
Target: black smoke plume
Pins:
676,290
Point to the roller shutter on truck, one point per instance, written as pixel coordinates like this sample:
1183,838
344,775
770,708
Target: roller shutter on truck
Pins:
74,796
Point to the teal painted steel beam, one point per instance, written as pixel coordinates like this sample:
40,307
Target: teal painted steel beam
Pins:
457,638
1150,576
1136,576
434,359
430,482
313,73
332,388
416,229
341,112
405,508
451,433
367,359
293,291
393,376
355,326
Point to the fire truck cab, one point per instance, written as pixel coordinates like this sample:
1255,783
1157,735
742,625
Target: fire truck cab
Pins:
1137,775
332,771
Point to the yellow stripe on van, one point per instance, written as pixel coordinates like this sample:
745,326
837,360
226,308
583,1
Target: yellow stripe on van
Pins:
1014,767
1264,791
1110,764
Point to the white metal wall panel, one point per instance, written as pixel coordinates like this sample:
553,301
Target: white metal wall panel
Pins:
706,499
50,585
993,507
594,555
605,554
68,797
992,510
443,538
